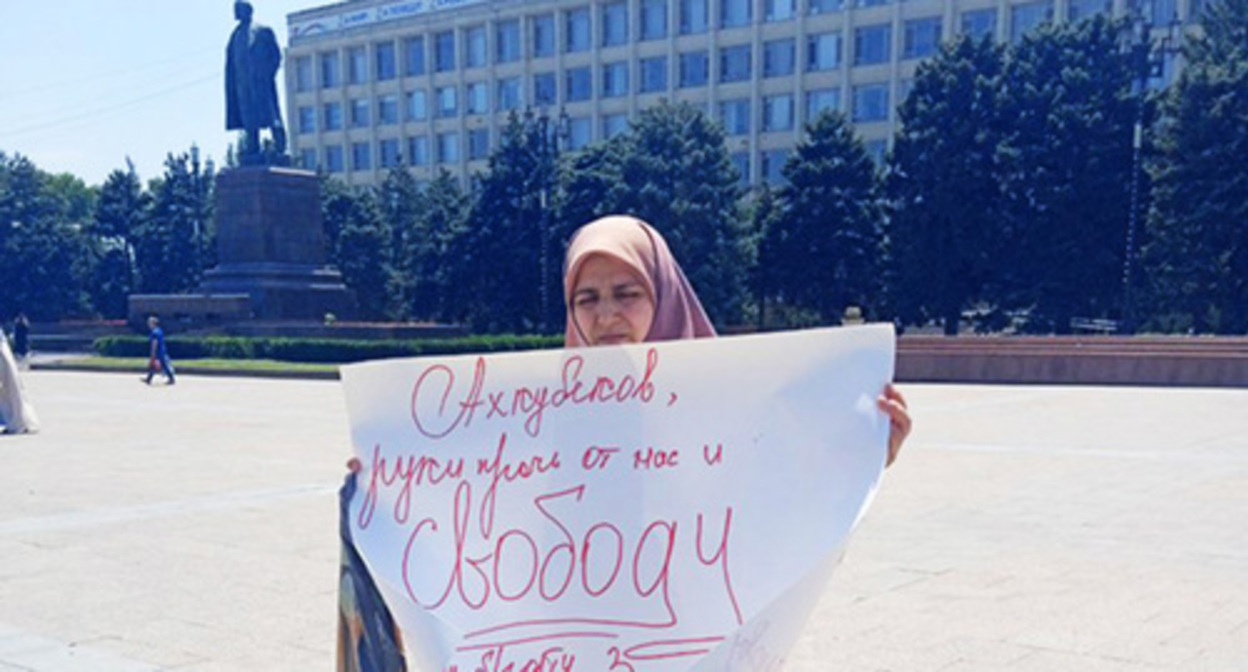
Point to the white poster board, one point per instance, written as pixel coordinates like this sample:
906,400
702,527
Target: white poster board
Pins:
662,506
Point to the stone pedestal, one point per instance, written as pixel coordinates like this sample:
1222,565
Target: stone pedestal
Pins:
270,246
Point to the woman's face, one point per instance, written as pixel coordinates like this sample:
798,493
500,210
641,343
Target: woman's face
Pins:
610,303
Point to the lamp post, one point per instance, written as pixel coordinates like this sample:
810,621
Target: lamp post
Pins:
1148,58
548,145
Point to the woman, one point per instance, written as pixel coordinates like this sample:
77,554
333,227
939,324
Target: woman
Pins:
17,416
622,285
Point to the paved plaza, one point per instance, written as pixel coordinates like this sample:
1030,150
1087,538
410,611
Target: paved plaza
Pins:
194,528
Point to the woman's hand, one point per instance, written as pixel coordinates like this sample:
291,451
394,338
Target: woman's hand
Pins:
894,405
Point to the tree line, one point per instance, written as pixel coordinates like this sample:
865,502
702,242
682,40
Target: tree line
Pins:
1004,205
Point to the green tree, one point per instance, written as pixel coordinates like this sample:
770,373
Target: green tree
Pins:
1198,254
1068,172
43,250
511,264
175,244
945,227
362,251
827,240
399,200
120,213
676,174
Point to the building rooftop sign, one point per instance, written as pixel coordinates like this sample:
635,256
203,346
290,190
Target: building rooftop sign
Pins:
346,18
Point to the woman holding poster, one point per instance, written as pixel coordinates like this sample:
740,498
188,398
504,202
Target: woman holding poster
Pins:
622,285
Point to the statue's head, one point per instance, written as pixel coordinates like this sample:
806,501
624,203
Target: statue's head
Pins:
242,10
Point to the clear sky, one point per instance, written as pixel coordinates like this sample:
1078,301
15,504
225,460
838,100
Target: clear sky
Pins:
86,83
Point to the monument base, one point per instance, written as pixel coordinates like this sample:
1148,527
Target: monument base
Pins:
283,291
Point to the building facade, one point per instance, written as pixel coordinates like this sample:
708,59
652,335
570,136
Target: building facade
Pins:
431,83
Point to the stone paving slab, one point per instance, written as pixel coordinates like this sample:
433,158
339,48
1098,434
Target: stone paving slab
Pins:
193,528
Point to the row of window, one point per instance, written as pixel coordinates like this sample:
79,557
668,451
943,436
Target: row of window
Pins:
448,147
870,103
872,44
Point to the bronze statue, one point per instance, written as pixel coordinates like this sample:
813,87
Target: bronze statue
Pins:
251,63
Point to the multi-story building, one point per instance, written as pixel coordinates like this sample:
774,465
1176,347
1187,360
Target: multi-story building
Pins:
371,83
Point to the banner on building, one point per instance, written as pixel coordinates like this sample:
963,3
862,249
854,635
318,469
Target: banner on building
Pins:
655,507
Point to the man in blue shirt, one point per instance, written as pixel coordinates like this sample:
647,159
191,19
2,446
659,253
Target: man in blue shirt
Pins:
158,356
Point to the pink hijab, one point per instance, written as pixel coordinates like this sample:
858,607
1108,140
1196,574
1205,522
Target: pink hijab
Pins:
677,312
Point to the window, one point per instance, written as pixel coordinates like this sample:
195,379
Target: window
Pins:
578,85
543,36
331,75
357,63
872,44
417,105
576,25
614,124
307,119
448,106
444,51
544,92
1083,9
733,13
303,73
1160,11
510,94
1025,17
418,150
819,101
333,116
478,98
734,63
653,74
474,47
448,147
922,37
776,10
870,3
307,158
359,113
980,23
614,24
778,58
778,112
507,41
414,56
385,57
735,115
773,165
693,16
361,156
904,87
389,151
741,161
580,132
871,102
478,144
823,51
334,159
388,109
653,19
693,69
824,6
615,79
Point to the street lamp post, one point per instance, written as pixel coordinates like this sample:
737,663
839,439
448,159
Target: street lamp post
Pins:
1148,58
548,139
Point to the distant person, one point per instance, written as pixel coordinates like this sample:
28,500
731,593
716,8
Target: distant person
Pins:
17,416
158,354
251,62
21,338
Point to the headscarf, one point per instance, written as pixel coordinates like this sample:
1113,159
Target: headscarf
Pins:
677,312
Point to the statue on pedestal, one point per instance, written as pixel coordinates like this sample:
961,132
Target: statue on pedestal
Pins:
252,59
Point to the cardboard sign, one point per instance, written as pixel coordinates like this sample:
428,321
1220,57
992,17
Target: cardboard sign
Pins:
661,506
